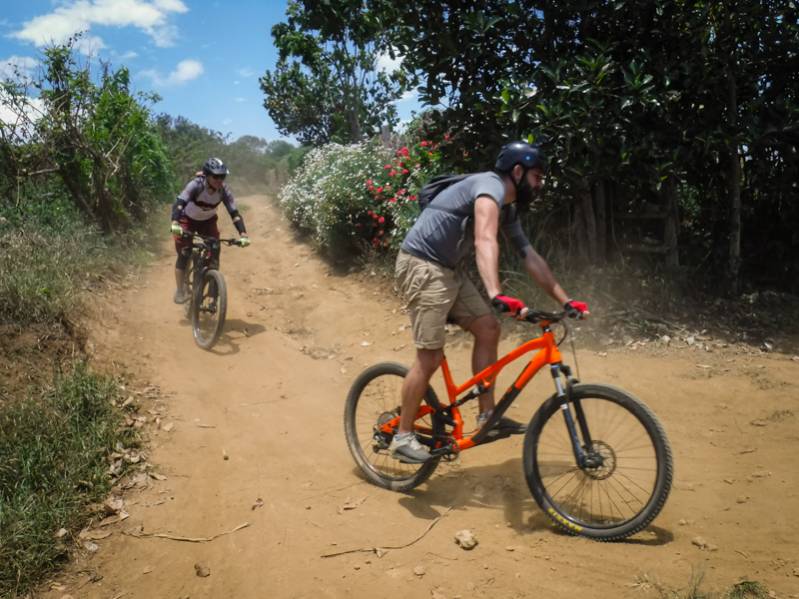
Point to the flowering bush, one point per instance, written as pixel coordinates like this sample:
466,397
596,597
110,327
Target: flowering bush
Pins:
326,195
394,190
347,196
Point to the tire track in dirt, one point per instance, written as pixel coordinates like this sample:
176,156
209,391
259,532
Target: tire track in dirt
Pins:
270,397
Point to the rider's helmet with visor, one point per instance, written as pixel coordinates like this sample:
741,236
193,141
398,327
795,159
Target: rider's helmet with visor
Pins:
214,167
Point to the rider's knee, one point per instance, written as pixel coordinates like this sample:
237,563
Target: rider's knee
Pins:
486,329
429,359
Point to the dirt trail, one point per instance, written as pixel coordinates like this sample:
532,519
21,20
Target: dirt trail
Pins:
270,397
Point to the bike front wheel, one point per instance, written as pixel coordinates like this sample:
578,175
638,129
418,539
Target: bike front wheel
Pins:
626,470
208,309
373,401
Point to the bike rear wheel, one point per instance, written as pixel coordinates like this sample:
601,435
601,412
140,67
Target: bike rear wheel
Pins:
627,479
208,309
373,400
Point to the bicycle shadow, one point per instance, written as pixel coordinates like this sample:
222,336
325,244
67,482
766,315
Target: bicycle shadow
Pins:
234,332
498,486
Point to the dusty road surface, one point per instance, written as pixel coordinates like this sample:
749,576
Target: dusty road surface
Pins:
251,433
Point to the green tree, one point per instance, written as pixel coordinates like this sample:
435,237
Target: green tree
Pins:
636,101
326,85
96,136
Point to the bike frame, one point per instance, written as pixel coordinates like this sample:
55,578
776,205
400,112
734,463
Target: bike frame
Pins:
546,353
205,254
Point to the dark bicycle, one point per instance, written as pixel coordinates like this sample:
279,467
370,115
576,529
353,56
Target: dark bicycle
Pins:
207,306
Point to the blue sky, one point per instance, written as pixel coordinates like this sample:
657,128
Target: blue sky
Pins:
203,57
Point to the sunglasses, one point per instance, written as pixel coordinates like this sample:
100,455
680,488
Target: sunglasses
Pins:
219,177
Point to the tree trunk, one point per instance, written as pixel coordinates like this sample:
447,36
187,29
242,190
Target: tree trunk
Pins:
585,226
671,223
600,206
734,178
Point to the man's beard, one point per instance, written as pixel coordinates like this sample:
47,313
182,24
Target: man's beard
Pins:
524,195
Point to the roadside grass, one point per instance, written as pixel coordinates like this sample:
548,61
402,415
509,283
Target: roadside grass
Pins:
57,420
50,257
745,589
53,466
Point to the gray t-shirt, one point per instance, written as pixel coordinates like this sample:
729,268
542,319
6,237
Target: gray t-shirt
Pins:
444,231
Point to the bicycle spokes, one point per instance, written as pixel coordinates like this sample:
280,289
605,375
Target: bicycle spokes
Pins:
611,479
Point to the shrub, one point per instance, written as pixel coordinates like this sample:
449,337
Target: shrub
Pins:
364,194
394,192
50,256
326,197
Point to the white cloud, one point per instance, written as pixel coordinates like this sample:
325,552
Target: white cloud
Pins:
19,117
15,66
185,71
74,16
245,72
241,99
129,55
387,64
89,45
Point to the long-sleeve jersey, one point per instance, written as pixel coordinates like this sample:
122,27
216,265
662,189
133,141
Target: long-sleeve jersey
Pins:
199,202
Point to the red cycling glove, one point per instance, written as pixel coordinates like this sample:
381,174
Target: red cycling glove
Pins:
503,303
575,309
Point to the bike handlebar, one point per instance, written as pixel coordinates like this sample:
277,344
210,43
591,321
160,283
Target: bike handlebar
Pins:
536,316
204,239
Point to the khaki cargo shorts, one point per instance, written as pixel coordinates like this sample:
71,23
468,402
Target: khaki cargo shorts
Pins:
433,293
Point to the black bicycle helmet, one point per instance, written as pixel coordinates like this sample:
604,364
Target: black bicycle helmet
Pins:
519,152
214,166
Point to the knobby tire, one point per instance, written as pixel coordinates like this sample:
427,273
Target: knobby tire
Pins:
375,394
608,502
207,326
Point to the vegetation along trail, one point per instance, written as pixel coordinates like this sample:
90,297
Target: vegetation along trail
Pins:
251,433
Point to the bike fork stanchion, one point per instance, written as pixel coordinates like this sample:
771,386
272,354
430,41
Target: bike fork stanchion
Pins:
563,400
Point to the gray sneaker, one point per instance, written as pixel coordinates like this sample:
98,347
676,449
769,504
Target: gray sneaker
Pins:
406,448
181,296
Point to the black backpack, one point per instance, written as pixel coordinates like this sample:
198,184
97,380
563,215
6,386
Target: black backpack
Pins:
434,187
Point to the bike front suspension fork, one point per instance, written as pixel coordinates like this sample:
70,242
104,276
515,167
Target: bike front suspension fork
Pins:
573,421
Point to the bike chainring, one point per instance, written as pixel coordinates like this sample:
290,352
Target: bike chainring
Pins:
381,439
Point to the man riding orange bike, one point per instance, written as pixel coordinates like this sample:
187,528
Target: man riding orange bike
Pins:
430,273
194,211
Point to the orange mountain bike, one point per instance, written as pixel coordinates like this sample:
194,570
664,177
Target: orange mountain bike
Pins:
596,459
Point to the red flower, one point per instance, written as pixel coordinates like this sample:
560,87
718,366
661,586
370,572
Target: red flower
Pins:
412,198
379,190
392,201
423,144
386,167
403,151
381,220
391,173
405,171
369,182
